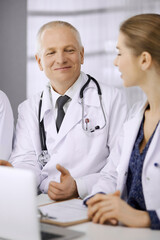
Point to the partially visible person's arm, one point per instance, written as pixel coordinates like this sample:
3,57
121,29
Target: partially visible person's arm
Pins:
24,153
5,163
6,127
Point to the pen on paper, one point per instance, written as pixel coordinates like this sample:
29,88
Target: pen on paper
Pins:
47,216
42,215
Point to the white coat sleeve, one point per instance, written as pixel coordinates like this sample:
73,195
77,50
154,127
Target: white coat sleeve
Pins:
107,181
116,116
6,127
24,154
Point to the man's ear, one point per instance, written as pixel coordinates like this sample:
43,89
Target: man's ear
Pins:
82,55
38,59
145,60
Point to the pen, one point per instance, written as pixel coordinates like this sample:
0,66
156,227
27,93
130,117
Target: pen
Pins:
86,122
47,216
42,215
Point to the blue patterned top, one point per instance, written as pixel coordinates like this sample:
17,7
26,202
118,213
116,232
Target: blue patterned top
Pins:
134,180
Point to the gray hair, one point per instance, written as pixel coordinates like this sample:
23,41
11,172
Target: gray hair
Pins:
52,24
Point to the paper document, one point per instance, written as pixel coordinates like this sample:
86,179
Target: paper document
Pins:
66,211
43,199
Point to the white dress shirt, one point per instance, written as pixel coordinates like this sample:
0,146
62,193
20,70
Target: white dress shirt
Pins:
70,93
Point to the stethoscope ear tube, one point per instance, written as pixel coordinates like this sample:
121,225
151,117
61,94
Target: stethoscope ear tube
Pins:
41,127
42,136
84,86
95,81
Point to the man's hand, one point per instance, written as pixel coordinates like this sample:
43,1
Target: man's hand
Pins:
67,187
5,163
111,208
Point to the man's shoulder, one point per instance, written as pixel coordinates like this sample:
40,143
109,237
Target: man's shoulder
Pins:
31,101
137,108
111,91
110,94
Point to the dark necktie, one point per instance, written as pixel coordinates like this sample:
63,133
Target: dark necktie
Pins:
60,115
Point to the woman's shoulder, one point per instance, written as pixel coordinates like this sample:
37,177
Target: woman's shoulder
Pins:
136,108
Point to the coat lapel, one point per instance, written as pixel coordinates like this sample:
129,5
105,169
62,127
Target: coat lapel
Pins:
47,114
72,117
46,101
131,129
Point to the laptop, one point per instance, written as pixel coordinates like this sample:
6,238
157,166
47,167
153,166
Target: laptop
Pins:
18,209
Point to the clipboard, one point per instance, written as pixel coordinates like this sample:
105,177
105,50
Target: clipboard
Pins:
64,213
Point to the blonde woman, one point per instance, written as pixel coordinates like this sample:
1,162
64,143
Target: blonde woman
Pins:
132,179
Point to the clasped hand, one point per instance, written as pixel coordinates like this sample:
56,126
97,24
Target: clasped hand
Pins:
111,208
65,189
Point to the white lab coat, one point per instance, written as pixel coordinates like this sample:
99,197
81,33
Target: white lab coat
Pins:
6,127
84,155
114,175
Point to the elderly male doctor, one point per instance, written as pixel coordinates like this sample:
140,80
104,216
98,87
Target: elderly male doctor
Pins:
76,156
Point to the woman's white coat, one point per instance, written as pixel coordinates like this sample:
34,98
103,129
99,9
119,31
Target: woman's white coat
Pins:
114,174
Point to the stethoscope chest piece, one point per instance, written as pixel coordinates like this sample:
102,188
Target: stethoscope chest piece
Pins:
43,158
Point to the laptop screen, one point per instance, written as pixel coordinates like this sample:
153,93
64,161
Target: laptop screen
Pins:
18,209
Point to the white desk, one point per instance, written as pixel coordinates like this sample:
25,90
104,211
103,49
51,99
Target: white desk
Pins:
102,232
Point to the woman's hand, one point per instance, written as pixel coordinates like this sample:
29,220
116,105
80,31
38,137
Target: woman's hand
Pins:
111,208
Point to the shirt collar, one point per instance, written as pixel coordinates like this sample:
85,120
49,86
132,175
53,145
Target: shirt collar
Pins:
50,96
70,92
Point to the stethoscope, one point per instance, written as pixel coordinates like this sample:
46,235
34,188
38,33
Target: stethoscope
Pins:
86,121
44,156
